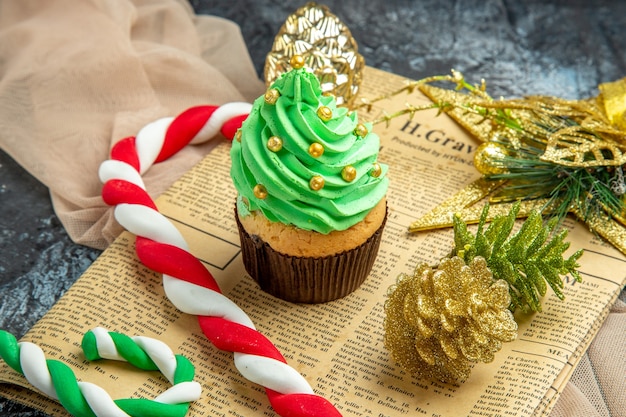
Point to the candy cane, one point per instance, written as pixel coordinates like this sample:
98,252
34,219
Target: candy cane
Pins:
57,381
187,283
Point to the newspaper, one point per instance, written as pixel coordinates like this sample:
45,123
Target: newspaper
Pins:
336,346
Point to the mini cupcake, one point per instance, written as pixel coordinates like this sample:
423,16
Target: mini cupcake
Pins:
311,201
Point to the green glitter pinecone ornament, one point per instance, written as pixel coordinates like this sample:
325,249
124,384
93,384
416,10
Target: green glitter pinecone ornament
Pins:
440,321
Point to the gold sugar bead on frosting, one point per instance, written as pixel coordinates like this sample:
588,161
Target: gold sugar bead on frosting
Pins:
360,130
274,144
376,170
324,113
348,173
316,150
238,135
260,191
271,96
316,183
296,61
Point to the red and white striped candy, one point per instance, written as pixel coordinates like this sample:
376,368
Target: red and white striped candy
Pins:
187,283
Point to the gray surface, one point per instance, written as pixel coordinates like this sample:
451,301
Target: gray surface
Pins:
563,48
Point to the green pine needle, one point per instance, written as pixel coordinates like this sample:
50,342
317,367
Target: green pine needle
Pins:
529,260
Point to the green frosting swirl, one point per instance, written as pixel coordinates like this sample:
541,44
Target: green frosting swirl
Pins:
286,173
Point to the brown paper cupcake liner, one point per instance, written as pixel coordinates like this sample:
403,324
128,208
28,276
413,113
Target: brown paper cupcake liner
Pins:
306,279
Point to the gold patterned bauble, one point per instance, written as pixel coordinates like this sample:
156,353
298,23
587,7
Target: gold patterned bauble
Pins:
327,47
316,150
260,191
488,158
439,322
271,96
274,144
348,173
317,183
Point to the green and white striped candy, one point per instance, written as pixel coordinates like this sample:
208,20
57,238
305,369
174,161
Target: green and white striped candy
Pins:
83,399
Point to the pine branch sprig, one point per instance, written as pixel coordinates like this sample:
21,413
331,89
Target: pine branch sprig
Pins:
529,261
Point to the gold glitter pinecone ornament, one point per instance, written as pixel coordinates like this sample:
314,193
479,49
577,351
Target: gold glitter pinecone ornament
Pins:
438,322
328,49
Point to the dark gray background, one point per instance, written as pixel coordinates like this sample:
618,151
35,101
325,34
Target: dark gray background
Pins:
562,48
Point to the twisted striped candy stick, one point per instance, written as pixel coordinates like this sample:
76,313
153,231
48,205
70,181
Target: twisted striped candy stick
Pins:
57,381
187,283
